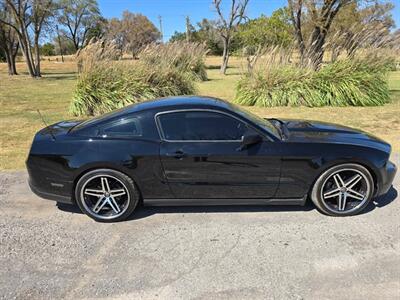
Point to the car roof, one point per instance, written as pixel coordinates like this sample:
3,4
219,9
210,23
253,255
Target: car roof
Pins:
161,105
177,102
158,105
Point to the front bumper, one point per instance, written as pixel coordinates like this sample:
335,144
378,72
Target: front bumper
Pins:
387,178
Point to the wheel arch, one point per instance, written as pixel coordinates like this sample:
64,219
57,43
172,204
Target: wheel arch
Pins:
373,171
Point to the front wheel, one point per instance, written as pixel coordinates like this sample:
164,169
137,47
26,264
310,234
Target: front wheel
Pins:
343,190
106,195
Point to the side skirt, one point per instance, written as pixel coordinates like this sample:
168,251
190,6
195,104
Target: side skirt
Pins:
204,202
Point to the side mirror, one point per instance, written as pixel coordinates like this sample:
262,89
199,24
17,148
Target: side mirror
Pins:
249,139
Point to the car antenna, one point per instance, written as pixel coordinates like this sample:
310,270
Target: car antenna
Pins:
44,122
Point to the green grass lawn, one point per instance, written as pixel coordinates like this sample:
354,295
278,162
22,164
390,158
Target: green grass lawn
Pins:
21,96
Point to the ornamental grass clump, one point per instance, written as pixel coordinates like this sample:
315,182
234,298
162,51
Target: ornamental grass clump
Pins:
347,82
186,57
105,84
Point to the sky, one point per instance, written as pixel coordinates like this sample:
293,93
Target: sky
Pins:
173,12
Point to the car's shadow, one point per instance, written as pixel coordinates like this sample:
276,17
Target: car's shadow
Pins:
144,211
382,201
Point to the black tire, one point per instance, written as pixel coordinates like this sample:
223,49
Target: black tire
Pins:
323,206
125,183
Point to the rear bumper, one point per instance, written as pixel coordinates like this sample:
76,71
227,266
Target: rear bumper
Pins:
49,181
50,196
387,178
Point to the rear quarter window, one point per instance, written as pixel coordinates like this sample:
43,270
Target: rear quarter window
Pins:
138,125
124,127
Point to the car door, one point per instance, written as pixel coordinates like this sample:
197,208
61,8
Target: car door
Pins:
201,156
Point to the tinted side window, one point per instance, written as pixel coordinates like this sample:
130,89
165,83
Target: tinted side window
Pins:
201,125
125,127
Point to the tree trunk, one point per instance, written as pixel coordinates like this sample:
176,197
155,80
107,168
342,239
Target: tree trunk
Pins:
37,56
302,51
335,53
10,57
225,56
316,51
59,43
14,54
252,60
249,65
8,60
76,45
301,45
27,50
27,55
13,65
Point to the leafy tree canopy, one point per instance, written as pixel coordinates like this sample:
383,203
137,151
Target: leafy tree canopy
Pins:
47,49
266,31
132,32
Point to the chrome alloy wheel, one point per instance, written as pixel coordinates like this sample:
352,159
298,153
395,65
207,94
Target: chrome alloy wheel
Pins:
105,197
345,190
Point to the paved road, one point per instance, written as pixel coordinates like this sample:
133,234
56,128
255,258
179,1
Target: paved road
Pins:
198,253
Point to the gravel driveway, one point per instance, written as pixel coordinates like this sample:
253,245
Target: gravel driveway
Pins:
50,251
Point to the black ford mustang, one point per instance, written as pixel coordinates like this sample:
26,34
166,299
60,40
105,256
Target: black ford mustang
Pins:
198,150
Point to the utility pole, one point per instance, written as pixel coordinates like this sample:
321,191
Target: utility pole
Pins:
187,29
161,30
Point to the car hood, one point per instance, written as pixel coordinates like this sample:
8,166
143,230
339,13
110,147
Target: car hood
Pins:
322,132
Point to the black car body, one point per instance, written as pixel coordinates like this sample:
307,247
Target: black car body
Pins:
278,161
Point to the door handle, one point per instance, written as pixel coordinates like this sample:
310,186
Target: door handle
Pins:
177,154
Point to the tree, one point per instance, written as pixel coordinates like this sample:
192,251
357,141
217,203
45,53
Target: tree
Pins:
63,46
115,33
47,49
78,17
9,47
98,29
207,33
178,36
228,24
189,29
41,11
132,32
257,36
9,44
204,32
28,18
321,14
275,30
358,26
394,40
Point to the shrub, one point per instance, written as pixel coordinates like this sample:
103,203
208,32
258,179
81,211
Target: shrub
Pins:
350,82
105,84
186,57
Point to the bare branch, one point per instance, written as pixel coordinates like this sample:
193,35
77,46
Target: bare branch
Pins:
229,25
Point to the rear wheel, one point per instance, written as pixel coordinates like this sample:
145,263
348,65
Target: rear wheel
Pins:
343,190
106,195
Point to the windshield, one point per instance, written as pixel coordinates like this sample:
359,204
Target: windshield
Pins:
264,123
